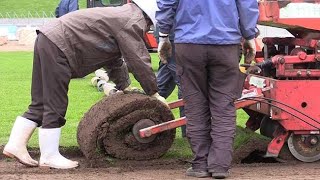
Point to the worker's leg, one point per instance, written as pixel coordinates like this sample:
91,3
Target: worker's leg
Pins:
56,75
165,81
191,69
223,74
177,83
181,109
25,125
35,109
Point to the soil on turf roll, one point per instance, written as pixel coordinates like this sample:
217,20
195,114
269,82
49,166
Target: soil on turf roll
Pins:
108,126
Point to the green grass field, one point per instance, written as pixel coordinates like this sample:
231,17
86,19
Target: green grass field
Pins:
32,6
15,83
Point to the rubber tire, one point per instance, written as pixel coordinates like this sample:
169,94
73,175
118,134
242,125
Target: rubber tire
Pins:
109,122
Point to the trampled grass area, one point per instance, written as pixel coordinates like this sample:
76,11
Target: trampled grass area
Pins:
24,6
15,83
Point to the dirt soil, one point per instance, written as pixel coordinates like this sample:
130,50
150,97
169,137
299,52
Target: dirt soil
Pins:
248,164
115,169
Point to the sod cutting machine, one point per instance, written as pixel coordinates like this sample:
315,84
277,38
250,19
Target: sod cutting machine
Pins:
280,95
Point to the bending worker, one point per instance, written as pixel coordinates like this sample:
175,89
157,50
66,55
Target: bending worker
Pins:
73,46
207,38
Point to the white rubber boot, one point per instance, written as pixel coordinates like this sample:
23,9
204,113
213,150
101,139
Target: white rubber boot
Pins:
17,144
49,149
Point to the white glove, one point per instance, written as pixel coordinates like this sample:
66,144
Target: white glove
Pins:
249,50
102,74
95,80
160,98
109,89
106,87
164,48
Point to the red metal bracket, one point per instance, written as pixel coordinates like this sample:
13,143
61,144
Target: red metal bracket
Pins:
176,104
149,131
277,142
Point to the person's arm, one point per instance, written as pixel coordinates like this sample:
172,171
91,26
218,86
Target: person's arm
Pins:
248,17
166,14
118,73
73,5
134,52
165,17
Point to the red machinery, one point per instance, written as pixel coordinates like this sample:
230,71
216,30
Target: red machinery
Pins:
282,101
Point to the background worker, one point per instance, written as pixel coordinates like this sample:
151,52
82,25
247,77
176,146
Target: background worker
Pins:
66,6
167,79
73,46
207,38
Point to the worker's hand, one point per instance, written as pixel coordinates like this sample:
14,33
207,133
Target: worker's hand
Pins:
249,51
109,89
253,70
102,74
95,80
164,48
160,98
130,90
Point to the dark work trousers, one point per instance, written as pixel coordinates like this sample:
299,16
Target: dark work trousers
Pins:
50,80
209,77
167,80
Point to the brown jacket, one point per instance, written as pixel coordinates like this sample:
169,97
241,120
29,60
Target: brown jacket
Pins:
97,37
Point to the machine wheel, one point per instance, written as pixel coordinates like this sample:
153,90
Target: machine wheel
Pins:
113,125
305,148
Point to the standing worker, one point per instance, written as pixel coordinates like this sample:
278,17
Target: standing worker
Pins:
74,46
167,79
66,6
207,38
